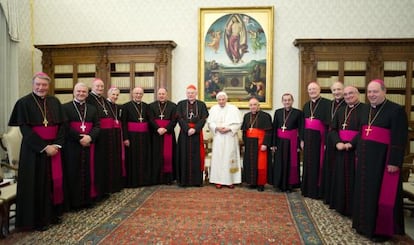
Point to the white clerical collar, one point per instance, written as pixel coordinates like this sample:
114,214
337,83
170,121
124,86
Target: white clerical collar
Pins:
314,100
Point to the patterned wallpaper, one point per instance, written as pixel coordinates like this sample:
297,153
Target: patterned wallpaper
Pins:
60,21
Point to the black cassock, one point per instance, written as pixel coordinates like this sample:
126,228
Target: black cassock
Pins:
262,120
342,184
138,154
312,169
108,160
76,158
329,161
34,205
166,111
371,164
280,171
189,165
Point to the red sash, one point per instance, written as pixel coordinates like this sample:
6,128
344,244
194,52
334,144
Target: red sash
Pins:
88,127
138,127
50,133
261,155
292,136
316,124
202,150
389,185
167,147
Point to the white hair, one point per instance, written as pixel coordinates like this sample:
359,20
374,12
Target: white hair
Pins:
221,93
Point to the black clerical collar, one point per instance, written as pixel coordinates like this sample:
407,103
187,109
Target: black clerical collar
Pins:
79,102
97,95
38,97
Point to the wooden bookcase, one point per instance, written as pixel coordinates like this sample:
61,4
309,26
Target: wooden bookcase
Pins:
356,62
124,65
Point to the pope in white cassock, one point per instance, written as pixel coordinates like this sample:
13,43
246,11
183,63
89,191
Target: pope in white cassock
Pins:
224,122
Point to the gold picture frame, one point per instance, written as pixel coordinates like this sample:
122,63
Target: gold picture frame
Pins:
236,54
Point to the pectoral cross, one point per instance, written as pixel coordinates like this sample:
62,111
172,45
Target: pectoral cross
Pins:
105,111
83,127
191,115
368,130
140,119
283,128
45,122
344,126
162,116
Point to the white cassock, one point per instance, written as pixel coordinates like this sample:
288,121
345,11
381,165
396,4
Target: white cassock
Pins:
225,166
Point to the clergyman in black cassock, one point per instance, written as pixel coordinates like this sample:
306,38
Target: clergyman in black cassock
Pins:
287,133
163,119
377,209
40,181
317,119
191,116
82,129
344,135
137,140
257,138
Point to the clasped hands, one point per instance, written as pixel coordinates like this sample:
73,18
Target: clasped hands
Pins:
222,130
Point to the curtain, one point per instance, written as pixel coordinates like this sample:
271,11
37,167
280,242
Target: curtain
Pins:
9,84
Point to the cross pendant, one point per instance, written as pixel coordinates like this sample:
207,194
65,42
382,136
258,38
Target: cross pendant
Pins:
344,126
191,115
105,111
140,119
162,116
83,127
283,128
368,130
311,118
45,122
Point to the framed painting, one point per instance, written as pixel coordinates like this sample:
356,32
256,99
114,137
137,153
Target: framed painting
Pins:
236,54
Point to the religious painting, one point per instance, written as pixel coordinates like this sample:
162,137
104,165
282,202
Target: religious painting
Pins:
236,54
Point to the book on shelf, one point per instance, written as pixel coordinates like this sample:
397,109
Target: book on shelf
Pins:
86,68
63,83
144,67
355,65
145,82
395,65
63,69
326,81
86,80
356,81
327,65
122,67
120,82
394,82
397,98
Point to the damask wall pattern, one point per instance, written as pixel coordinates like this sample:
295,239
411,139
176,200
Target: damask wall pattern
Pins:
60,21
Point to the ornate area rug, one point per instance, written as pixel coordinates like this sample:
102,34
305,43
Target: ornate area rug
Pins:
174,215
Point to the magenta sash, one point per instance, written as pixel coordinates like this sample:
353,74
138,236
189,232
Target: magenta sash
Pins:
50,133
138,127
88,127
292,136
347,135
107,123
167,147
389,185
316,124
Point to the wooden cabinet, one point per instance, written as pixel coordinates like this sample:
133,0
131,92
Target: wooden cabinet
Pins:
356,62
124,65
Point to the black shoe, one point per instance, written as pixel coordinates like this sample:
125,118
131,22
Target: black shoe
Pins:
252,186
42,228
380,239
260,188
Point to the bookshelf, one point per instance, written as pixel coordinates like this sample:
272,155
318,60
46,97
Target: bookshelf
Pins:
356,62
122,64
